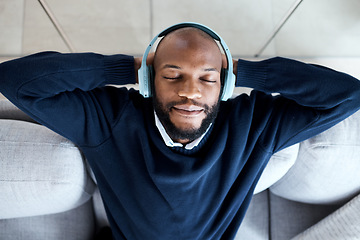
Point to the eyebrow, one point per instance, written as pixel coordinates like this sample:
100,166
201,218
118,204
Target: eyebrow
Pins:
211,70
171,66
177,67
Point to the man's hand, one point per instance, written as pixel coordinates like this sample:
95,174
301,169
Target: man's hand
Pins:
224,63
137,63
235,64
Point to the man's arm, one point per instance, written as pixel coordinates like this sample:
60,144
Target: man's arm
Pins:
66,92
311,98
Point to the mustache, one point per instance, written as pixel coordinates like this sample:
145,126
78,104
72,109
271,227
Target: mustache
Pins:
188,101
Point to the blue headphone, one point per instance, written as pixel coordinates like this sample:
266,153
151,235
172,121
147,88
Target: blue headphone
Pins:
146,71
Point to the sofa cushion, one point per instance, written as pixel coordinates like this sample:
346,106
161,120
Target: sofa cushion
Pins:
10,111
76,224
255,225
279,164
327,168
41,172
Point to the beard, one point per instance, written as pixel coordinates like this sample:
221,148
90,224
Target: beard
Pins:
191,134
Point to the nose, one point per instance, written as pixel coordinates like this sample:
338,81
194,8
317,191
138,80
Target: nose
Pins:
190,89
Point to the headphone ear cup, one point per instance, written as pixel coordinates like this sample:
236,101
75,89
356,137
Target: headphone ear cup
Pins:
222,77
222,80
151,79
227,86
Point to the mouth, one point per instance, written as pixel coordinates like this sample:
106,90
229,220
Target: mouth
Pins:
188,110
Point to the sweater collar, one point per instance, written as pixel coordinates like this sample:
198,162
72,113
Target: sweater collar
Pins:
170,143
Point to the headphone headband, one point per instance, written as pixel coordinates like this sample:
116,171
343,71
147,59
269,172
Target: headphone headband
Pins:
190,24
144,72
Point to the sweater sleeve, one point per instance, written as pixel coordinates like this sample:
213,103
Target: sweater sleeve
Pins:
308,98
67,92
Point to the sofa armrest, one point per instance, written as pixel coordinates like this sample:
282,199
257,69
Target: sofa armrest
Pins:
9,111
327,167
41,172
279,164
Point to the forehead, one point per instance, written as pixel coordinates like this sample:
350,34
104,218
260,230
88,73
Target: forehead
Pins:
189,35
187,43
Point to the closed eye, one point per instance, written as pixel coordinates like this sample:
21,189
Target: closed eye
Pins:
207,80
171,78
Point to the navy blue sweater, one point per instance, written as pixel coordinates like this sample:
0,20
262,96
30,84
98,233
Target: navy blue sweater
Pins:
151,191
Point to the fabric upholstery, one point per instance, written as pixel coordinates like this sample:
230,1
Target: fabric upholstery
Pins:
256,222
327,168
99,210
288,218
342,224
76,224
279,164
41,172
10,111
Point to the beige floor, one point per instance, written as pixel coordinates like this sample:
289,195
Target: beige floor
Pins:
319,28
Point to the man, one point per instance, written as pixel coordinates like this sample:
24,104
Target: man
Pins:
182,164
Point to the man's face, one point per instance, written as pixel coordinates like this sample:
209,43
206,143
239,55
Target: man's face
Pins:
187,85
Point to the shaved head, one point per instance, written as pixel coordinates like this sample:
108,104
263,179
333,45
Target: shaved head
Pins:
188,37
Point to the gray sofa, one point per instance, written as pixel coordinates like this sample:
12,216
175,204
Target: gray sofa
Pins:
308,191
